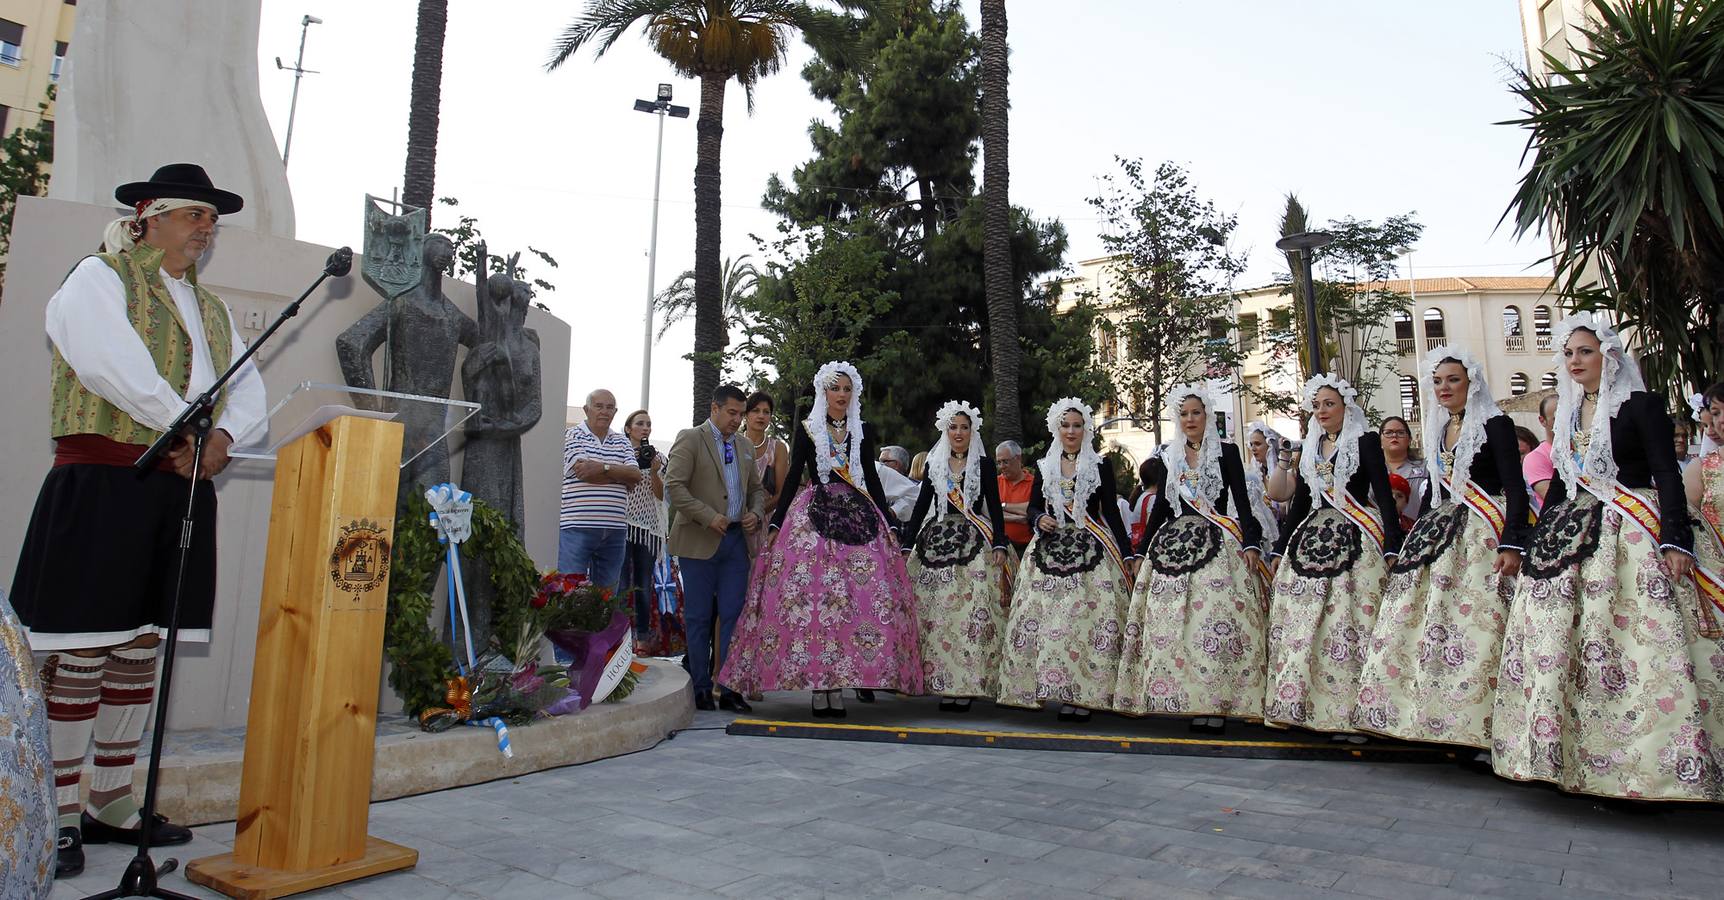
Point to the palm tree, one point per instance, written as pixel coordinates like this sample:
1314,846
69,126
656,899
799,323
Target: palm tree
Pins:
1627,150
419,179
714,41
677,301
999,279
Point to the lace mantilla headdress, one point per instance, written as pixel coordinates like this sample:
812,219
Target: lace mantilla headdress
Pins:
940,458
1697,403
1346,444
816,421
1270,436
1621,377
1479,409
1209,483
1087,473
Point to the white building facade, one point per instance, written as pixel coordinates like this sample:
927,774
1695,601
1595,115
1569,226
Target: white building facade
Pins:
1506,321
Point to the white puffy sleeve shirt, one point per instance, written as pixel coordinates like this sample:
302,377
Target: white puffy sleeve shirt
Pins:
87,322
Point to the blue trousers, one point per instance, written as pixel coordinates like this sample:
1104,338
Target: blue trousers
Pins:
719,583
594,552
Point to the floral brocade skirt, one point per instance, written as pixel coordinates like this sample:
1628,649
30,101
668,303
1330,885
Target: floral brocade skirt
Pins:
959,598
28,822
1195,630
1321,612
1431,664
1067,620
829,603
1599,691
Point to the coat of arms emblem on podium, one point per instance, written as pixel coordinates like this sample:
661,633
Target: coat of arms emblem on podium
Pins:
360,560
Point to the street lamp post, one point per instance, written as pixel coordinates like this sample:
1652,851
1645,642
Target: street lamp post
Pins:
1303,243
299,71
660,107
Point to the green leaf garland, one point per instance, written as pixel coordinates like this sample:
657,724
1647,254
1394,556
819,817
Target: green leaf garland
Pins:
420,663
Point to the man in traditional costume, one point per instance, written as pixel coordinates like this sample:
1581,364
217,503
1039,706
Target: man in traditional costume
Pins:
134,338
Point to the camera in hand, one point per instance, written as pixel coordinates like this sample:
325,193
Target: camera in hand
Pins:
644,455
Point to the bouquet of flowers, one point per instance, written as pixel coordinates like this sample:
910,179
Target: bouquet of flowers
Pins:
586,624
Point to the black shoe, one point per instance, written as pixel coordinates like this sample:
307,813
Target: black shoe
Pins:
947,704
1080,716
864,695
1067,715
734,703
69,862
704,702
961,705
162,832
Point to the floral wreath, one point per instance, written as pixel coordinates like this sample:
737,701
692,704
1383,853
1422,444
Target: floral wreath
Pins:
1479,409
420,663
815,424
939,458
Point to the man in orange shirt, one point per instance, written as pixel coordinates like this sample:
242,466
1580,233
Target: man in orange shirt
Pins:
1016,482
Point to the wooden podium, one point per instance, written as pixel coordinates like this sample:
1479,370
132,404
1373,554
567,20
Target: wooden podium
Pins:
311,735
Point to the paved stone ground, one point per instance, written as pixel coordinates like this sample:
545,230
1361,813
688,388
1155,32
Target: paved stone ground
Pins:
706,814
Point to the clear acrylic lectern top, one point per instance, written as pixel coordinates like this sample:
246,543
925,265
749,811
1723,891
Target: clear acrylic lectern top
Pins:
310,405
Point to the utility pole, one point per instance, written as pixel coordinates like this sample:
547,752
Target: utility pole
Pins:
299,71
660,107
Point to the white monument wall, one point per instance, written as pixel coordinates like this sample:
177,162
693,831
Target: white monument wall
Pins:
254,273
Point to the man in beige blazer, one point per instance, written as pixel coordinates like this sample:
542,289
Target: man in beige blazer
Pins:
716,500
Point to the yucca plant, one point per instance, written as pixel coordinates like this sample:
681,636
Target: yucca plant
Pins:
1626,146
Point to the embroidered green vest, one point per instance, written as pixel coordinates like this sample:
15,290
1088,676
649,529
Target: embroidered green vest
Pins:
156,318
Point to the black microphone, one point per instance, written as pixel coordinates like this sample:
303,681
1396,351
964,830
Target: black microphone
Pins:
339,263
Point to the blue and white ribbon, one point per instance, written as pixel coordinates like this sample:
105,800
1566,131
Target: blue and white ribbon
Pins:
502,730
664,584
452,517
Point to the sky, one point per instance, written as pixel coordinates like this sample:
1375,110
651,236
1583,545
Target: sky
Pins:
1364,108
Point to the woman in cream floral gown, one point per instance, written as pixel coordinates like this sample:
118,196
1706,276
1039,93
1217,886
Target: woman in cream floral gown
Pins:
1597,693
956,540
1433,656
1195,633
1069,601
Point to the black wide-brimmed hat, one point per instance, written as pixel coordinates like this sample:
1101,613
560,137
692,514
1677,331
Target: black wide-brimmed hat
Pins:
181,181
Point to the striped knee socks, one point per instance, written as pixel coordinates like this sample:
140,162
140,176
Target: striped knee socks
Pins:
74,688
128,686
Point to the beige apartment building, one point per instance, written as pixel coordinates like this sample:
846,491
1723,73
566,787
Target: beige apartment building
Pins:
1506,321
1551,26
34,35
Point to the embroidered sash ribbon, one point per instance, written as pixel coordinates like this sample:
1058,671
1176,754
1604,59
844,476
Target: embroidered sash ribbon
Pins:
1365,518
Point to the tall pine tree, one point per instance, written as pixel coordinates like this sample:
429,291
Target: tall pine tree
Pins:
894,176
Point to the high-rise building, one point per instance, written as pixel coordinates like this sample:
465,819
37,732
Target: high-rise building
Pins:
34,35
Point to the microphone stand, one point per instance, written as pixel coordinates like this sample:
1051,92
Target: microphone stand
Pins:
195,422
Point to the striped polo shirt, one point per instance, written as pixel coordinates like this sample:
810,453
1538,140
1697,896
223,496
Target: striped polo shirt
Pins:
588,505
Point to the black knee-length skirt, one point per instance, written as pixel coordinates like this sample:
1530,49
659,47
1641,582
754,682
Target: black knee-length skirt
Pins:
102,555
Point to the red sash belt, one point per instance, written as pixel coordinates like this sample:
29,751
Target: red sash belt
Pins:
95,450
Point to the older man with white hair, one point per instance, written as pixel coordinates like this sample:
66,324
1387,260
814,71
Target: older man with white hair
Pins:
894,468
598,471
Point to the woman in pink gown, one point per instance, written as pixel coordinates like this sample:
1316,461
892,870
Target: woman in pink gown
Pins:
830,604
